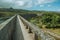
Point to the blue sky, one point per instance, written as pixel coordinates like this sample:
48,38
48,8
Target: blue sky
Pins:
47,5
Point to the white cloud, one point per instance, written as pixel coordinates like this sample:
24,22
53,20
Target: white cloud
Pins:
49,5
44,1
29,4
26,3
23,4
8,1
41,5
20,3
58,10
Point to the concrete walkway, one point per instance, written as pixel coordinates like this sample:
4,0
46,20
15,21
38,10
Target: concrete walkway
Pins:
27,36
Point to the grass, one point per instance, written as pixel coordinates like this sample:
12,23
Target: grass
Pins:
56,31
53,30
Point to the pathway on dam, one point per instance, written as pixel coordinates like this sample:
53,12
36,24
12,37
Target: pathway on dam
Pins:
27,36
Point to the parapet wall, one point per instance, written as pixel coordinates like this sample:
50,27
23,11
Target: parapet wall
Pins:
7,29
11,30
18,32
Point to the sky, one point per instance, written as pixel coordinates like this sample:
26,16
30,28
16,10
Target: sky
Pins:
47,5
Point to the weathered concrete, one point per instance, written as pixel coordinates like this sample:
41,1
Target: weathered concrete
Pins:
7,28
43,35
15,29
18,35
26,35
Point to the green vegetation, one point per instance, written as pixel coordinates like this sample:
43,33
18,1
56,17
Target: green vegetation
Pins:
51,20
43,19
48,20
